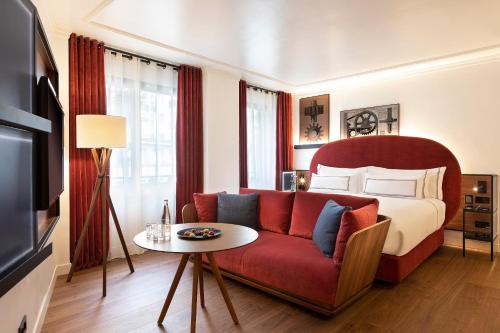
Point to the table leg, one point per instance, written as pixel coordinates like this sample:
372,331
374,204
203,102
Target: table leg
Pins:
200,272
218,277
195,291
173,287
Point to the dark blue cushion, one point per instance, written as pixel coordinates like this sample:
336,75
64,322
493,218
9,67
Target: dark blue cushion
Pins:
327,227
238,209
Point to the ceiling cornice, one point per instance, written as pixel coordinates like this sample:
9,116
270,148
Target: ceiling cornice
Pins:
458,60
468,58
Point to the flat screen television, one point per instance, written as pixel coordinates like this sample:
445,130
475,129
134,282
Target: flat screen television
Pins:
50,147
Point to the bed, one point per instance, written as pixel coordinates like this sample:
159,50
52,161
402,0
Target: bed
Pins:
417,228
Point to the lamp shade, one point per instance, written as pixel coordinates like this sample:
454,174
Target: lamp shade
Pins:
101,131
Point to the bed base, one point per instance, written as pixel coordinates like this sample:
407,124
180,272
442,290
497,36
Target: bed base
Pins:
395,268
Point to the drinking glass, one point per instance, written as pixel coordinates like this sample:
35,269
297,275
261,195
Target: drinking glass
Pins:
154,231
161,231
167,231
149,230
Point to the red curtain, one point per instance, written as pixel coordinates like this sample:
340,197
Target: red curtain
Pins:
87,95
284,140
243,135
189,136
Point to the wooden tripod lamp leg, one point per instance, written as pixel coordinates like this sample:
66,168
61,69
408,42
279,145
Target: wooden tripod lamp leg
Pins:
120,234
79,244
104,234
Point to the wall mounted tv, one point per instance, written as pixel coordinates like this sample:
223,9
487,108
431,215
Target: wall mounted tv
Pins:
50,147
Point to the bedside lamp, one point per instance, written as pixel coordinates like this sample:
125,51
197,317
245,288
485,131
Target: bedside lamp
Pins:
100,133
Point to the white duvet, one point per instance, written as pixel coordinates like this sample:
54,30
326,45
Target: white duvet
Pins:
412,221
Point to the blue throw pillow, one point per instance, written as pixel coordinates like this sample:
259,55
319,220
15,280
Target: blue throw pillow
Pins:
238,209
327,227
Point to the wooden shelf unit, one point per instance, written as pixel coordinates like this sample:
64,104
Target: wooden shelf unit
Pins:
482,189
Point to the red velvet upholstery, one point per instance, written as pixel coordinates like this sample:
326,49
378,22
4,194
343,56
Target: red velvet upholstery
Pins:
275,209
308,206
292,264
395,152
206,206
351,222
396,268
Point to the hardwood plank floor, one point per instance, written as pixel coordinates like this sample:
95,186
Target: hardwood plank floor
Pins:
448,293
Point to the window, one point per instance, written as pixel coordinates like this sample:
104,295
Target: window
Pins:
261,139
142,175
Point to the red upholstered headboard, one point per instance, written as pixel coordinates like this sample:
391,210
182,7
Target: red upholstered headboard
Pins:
396,152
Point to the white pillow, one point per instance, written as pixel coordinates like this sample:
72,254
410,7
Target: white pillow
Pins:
393,186
329,183
434,183
433,178
355,174
324,170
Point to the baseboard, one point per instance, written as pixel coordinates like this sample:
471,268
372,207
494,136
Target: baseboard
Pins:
62,269
453,238
117,251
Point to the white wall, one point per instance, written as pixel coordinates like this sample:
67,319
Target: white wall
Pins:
459,107
31,295
221,131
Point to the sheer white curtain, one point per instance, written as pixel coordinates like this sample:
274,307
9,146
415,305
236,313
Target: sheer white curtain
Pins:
261,139
143,174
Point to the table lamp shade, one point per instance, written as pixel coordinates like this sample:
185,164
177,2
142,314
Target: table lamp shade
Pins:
101,131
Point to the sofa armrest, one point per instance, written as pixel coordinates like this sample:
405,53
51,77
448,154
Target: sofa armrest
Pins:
189,214
361,259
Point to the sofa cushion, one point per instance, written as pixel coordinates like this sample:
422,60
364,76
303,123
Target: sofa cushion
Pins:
275,209
292,264
308,205
327,227
353,221
206,206
238,209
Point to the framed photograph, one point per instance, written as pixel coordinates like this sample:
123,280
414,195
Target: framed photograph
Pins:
314,119
288,181
469,199
374,120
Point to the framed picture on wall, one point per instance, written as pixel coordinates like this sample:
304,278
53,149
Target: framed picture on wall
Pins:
374,120
288,181
314,119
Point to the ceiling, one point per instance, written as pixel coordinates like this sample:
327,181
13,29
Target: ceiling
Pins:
289,42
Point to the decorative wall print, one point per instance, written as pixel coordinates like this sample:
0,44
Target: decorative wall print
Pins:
375,120
314,119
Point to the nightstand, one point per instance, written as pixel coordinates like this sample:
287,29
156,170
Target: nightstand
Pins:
479,224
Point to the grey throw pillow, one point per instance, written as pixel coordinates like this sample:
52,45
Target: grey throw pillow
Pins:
238,209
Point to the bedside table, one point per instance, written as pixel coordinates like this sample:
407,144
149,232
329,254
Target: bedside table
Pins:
479,224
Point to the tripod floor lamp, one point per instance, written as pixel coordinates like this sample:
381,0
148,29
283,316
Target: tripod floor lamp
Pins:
100,133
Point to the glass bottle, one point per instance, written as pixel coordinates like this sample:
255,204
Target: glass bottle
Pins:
165,217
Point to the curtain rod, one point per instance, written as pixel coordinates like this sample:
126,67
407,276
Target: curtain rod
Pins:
260,88
141,57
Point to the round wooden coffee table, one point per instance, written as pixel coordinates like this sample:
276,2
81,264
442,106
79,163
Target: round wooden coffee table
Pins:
233,236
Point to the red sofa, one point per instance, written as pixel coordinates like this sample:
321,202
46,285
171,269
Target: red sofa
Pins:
285,261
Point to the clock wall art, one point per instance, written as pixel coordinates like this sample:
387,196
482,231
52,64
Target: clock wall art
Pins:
314,120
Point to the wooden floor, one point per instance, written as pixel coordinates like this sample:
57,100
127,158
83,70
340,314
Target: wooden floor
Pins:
448,293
